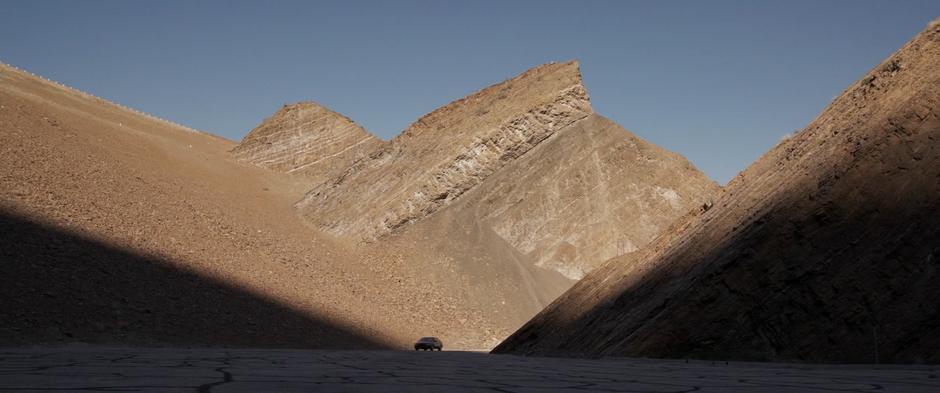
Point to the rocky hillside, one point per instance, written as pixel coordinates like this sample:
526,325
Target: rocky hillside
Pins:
118,228
307,138
551,179
826,249
564,199
121,228
447,152
591,192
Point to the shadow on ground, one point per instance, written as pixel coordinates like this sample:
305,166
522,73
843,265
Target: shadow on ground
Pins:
57,286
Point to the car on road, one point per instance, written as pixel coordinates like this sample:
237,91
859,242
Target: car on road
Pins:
429,343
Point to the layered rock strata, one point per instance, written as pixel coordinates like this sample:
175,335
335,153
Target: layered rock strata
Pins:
447,152
307,138
589,193
557,182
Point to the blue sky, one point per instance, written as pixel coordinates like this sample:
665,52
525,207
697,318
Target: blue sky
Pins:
718,81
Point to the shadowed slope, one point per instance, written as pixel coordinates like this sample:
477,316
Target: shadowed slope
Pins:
825,249
61,286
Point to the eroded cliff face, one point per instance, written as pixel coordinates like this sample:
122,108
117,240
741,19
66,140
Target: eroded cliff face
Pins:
309,139
825,249
448,152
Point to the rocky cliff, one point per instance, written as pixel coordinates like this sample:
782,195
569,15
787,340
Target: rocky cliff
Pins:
307,138
825,249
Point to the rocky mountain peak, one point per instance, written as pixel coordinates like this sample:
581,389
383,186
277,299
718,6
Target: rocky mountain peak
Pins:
449,151
306,138
532,163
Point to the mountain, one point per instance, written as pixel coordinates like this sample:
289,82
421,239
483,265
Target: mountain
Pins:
825,249
591,192
307,138
551,178
119,227
447,152
537,190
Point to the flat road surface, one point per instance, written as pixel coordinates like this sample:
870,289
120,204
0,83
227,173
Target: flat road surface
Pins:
98,369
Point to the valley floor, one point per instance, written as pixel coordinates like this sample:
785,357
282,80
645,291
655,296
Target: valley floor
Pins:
246,370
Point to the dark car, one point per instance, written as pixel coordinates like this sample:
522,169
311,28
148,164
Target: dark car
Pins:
429,343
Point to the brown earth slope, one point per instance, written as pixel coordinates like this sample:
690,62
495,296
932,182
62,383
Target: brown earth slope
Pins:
827,248
118,228
161,236
571,193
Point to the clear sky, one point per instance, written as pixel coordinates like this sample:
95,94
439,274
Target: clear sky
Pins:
717,81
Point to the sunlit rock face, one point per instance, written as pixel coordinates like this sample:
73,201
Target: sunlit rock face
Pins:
562,185
306,138
447,152
826,249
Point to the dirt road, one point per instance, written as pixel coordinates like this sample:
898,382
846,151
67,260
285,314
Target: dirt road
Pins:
219,370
